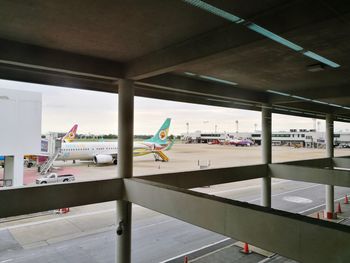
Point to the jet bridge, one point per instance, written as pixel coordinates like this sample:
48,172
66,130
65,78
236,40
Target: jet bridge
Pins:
20,131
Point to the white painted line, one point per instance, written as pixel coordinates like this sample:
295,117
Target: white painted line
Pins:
240,188
312,208
195,250
62,218
56,219
6,260
211,253
154,224
288,192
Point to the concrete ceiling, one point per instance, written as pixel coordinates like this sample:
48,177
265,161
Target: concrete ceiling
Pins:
91,44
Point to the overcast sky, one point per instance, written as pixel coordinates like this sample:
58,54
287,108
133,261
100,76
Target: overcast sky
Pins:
96,113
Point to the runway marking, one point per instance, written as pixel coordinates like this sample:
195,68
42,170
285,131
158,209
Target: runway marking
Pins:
297,199
288,192
195,250
242,188
6,260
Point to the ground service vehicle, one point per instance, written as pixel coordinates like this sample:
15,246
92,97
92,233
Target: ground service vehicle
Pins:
55,178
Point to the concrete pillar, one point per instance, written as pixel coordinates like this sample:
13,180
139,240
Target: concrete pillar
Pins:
266,154
125,167
329,212
13,171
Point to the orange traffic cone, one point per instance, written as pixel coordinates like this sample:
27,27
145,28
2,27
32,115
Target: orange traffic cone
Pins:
339,209
186,259
346,200
245,249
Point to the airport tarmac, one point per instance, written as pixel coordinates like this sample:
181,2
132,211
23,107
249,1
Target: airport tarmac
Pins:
185,157
87,232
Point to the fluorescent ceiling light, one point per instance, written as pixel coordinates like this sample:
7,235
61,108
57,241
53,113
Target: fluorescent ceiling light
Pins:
320,102
214,10
306,99
278,93
218,80
211,78
300,98
260,30
274,37
295,111
321,59
190,74
335,105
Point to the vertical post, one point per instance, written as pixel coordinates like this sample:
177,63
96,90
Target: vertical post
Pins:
266,154
13,172
330,154
125,167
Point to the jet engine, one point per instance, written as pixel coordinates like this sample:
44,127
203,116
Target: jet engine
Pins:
103,158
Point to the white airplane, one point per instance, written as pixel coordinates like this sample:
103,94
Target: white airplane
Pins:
107,152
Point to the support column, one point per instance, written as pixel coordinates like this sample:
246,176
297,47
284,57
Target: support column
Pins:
266,154
329,212
125,167
13,172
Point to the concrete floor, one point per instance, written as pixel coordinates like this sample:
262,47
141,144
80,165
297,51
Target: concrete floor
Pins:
86,233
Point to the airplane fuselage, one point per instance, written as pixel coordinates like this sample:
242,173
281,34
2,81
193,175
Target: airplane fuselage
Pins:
89,150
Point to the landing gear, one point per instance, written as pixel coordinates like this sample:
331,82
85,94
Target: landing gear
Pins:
115,161
156,158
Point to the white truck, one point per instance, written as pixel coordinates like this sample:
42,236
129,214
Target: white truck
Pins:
55,178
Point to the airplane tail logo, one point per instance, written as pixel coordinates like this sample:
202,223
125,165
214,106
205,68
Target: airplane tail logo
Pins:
162,135
70,136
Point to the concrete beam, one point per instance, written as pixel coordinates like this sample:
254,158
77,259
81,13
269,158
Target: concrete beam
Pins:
23,74
39,58
32,199
342,162
192,179
310,174
294,236
194,86
199,49
153,91
320,162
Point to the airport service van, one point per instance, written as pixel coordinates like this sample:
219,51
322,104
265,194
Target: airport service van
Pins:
55,178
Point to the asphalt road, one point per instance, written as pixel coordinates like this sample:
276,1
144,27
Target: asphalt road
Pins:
159,238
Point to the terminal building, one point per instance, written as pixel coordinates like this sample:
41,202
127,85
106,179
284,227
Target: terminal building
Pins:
269,56
300,137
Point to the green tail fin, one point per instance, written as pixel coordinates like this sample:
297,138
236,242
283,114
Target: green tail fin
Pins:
162,135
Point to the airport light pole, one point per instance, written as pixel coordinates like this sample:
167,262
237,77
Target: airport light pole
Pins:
125,167
266,153
329,213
